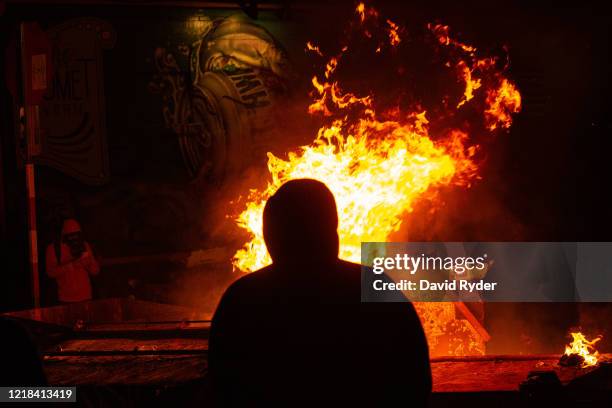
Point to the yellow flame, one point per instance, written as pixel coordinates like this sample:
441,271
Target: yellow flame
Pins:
360,10
375,180
584,348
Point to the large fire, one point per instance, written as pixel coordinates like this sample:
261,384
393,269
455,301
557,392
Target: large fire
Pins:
377,168
584,348
379,161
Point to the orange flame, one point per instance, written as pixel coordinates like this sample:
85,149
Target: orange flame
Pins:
471,84
313,48
364,12
502,101
442,33
584,348
394,37
331,66
361,11
332,94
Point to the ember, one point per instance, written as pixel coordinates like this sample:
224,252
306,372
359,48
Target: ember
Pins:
580,351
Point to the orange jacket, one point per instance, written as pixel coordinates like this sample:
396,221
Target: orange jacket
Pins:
72,275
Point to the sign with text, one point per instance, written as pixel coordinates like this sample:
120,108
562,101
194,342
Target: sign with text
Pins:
486,271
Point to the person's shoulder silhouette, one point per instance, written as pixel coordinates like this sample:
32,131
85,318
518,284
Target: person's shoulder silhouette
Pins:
296,333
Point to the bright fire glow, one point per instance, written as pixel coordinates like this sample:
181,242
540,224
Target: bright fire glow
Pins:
584,348
502,101
376,170
378,164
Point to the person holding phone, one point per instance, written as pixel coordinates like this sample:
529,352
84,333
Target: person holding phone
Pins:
70,262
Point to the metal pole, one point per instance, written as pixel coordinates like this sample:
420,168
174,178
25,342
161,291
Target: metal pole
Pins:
31,129
33,236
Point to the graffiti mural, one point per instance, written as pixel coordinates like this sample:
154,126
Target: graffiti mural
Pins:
222,106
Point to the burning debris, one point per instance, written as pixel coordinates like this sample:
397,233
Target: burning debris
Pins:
580,352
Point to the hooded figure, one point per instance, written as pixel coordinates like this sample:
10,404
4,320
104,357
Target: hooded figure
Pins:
296,333
70,261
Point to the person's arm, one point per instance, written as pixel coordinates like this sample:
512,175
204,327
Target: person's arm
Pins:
89,261
53,266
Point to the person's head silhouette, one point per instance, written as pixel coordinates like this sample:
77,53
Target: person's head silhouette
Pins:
300,223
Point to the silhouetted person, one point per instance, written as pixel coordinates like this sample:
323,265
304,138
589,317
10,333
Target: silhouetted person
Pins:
296,333
19,359
70,261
